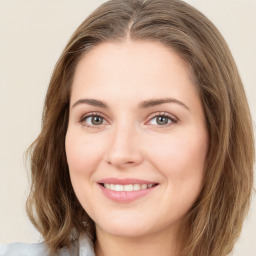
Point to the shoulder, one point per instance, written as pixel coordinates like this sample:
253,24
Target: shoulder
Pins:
83,247
21,249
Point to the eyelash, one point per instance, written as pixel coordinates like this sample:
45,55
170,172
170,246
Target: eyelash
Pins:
172,119
82,121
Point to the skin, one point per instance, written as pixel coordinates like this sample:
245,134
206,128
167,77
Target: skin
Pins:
130,142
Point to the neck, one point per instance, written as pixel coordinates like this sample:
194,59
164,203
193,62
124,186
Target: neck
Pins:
150,245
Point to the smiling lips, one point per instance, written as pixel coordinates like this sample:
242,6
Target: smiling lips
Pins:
125,190
129,187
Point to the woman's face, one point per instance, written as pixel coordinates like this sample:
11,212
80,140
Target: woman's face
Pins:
136,141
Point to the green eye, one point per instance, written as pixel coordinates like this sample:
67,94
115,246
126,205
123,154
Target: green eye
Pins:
96,120
162,120
93,120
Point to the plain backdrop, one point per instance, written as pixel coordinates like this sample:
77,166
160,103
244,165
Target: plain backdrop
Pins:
32,36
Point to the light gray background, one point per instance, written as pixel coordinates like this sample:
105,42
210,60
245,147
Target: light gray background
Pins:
32,36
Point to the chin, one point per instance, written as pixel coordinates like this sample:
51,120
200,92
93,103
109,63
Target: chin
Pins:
126,228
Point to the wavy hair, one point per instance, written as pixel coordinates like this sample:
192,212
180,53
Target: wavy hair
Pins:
214,222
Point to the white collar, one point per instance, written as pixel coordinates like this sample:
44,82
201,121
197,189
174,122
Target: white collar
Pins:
86,247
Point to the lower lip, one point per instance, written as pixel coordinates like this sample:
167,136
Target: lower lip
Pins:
125,196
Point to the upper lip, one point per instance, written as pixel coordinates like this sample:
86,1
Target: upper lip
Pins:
125,181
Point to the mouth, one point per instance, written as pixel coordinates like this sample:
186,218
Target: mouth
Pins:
127,187
126,190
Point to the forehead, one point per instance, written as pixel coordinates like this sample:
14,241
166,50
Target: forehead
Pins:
131,68
131,55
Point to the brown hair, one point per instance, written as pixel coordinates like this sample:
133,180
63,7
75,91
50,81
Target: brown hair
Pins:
214,222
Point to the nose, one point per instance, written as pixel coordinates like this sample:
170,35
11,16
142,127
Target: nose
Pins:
123,150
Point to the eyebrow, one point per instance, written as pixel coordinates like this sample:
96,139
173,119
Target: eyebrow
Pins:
92,102
144,104
155,102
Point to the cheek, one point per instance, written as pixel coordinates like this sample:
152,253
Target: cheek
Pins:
183,165
181,159
82,153
180,151
83,156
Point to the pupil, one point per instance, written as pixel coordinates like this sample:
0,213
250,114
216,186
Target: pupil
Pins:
161,120
96,120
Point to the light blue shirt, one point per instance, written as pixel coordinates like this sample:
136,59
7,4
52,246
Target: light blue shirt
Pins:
81,248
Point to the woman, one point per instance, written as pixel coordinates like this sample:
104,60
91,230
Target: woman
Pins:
146,145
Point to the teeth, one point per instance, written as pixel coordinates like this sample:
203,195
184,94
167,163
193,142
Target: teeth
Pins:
136,187
144,186
129,187
119,188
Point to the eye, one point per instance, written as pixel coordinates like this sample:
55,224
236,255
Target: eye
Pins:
162,120
92,120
